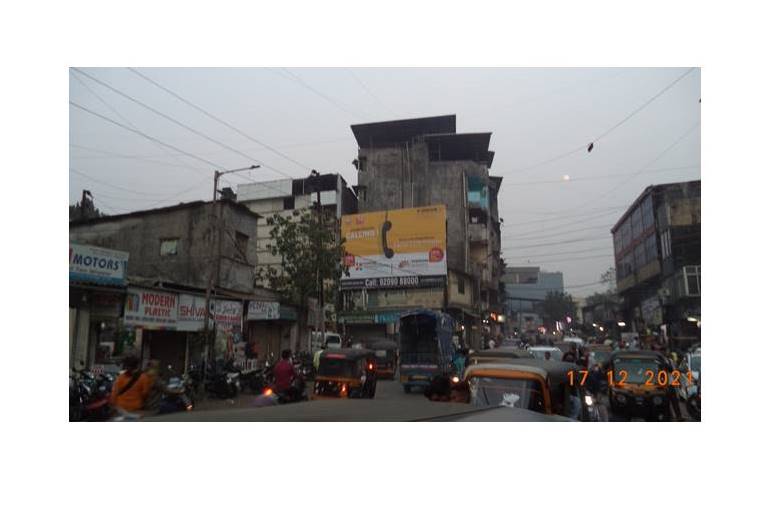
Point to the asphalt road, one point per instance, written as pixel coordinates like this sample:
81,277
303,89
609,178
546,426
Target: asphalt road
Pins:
390,404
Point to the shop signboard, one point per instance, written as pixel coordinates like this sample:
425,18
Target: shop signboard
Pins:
151,309
97,265
263,310
228,315
387,317
191,313
395,248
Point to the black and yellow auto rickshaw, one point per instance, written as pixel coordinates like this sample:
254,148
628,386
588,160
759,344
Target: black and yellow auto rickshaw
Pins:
385,351
346,374
638,383
548,387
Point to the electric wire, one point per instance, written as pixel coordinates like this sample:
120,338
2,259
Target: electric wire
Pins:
178,123
217,119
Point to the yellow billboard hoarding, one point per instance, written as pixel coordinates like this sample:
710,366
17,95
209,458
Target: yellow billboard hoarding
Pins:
403,248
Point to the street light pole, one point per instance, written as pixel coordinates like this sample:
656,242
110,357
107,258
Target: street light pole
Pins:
214,221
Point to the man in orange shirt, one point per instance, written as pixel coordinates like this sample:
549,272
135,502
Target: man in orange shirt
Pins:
131,387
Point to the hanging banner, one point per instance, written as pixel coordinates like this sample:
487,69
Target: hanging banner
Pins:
151,309
191,313
261,310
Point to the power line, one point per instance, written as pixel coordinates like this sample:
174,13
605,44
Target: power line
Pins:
178,123
94,179
296,78
141,133
534,255
120,115
365,88
112,154
558,234
581,179
552,261
660,155
560,242
644,105
557,228
602,135
219,120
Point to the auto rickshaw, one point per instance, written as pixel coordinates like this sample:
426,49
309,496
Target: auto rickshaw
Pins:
385,351
547,387
347,373
637,384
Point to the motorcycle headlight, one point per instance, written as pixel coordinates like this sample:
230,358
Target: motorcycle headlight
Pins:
589,401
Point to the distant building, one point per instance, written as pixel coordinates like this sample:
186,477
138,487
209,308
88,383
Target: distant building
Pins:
657,246
525,287
424,162
284,196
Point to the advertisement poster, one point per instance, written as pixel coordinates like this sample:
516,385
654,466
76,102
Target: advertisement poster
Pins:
151,309
395,249
97,265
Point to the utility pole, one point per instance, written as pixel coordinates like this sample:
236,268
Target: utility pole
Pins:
320,276
214,227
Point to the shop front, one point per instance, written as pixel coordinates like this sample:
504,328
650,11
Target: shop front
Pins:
96,294
151,319
271,327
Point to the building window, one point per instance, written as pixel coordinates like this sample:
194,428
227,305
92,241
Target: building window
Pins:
461,285
241,246
617,246
637,223
666,249
692,280
169,247
647,211
651,251
640,255
289,203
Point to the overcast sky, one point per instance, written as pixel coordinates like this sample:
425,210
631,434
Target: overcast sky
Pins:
557,200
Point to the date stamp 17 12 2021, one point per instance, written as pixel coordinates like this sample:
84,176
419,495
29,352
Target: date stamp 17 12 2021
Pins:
651,378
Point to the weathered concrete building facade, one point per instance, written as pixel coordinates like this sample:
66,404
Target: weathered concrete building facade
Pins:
657,246
423,162
174,253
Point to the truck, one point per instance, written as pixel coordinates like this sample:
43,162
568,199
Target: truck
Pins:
426,347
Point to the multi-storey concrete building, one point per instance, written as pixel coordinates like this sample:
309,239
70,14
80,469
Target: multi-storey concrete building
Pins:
657,245
422,162
525,287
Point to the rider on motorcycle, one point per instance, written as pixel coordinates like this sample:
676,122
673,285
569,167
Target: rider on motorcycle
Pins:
285,375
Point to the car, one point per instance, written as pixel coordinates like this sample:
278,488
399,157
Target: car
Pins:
540,352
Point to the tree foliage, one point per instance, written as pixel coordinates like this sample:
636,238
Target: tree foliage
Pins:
305,247
557,305
88,212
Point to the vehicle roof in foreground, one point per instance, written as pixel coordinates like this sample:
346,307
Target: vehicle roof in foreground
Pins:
379,410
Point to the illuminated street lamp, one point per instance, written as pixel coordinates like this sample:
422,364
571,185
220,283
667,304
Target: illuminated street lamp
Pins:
622,324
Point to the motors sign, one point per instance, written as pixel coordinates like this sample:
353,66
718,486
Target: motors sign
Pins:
97,265
395,249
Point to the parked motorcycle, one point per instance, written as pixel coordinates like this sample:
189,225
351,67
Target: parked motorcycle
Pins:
223,381
89,396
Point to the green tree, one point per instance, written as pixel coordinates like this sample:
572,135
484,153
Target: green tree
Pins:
310,252
557,305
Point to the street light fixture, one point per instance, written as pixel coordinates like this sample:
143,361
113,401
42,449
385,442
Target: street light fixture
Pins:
622,324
